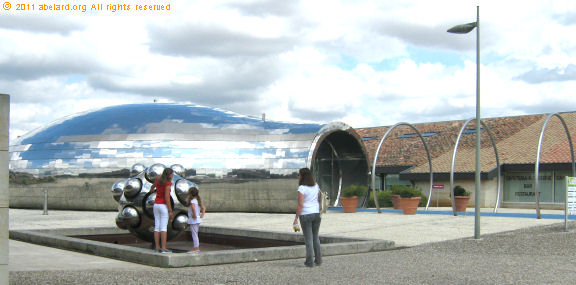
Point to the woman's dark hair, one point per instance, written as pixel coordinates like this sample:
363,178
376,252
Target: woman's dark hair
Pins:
305,177
193,192
165,177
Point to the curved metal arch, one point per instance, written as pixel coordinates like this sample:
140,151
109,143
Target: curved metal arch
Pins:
376,159
335,153
454,160
537,163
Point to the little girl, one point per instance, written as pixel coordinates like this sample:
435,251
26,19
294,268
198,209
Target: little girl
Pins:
195,214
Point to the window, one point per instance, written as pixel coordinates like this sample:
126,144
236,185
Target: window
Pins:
394,179
368,138
471,131
425,134
519,187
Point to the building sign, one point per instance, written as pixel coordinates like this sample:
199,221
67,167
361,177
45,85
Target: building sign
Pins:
438,187
519,188
571,195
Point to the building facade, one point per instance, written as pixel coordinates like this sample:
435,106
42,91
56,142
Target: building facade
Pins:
240,163
403,161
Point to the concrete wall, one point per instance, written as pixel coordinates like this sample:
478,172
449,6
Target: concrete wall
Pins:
251,195
265,195
65,194
4,124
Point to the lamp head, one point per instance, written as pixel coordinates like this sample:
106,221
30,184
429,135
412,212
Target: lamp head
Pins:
463,29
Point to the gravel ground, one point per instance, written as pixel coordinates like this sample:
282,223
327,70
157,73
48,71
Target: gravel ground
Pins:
538,255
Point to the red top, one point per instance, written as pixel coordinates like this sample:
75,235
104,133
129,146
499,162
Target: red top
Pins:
160,189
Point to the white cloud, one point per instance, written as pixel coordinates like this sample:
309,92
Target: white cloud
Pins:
360,62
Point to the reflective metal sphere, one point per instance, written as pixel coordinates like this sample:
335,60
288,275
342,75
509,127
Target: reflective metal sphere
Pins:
179,169
181,188
117,189
137,168
132,187
154,171
180,222
129,217
120,222
149,205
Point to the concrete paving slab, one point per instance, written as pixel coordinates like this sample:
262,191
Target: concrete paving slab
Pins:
404,230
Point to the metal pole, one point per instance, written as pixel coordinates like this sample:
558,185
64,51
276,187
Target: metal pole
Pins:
45,203
566,205
478,140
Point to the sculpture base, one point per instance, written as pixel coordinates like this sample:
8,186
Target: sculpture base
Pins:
248,246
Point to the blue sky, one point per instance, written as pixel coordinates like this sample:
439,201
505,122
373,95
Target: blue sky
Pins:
364,62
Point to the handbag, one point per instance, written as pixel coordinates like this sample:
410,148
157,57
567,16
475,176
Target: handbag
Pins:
324,201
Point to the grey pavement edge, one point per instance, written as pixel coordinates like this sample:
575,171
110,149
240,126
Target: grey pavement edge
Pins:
441,251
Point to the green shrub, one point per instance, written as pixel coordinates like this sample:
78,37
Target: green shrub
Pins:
460,191
423,200
396,189
384,199
354,190
409,192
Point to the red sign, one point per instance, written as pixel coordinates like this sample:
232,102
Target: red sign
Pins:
438,186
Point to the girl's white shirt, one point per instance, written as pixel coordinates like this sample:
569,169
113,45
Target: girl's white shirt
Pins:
198,220
311,205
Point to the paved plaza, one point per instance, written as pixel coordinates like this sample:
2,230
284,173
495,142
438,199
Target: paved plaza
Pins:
434,247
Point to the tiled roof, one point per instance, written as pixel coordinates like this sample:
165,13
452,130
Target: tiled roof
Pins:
516,139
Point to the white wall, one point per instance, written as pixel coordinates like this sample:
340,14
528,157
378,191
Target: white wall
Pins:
442,198
4,119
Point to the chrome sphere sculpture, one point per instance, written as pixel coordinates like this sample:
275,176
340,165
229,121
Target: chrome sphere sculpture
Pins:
135,202
117,189
178,169
137,168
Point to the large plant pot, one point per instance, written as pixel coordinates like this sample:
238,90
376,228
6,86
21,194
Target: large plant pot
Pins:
410,205
395,201
349,204
461,202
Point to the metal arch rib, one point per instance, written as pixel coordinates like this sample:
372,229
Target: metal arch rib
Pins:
454,160
376,159
537,163
339,172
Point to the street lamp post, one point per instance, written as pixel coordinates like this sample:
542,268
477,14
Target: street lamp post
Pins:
464,29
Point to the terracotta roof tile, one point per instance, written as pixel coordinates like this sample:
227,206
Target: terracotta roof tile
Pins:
516,139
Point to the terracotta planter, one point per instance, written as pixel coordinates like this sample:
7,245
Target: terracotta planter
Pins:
461,202
410,205
349,204
396,201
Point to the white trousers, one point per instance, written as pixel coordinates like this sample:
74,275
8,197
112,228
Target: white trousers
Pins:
160,217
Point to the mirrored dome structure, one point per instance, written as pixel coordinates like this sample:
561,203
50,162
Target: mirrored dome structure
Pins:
241,163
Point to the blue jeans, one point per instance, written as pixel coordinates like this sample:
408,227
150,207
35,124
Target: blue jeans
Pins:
310,226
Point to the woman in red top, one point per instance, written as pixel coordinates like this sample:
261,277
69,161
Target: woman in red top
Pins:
162,209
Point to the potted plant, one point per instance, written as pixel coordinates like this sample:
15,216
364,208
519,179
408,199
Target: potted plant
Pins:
461,198
349,197
409,200
396,189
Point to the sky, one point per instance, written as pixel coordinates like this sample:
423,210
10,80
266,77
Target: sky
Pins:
366,63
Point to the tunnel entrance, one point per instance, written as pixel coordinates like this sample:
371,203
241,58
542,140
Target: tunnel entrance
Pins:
339,161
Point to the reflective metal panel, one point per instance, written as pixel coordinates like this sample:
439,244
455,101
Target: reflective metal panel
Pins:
255,161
